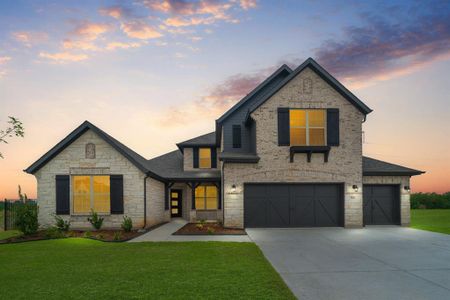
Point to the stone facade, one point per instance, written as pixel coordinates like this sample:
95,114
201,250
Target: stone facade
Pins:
344,164
156,212
72,160
188,159
403,181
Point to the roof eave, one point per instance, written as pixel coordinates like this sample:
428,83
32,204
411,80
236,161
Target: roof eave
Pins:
397,173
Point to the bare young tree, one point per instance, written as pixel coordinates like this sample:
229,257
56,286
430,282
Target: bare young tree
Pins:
15,128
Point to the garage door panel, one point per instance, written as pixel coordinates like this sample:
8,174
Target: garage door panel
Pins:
381,205
293,205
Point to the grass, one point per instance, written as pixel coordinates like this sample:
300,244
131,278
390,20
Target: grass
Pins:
79,268
9,233
437,220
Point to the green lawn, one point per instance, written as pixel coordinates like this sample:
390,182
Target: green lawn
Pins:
78,268
437,220
8,234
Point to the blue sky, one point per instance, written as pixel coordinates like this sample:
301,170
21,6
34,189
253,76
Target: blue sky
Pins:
137,68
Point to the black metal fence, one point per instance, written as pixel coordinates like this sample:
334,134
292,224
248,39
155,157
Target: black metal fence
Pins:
8,213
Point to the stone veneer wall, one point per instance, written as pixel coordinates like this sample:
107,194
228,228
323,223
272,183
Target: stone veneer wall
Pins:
156,212
405,206
108,161
344,164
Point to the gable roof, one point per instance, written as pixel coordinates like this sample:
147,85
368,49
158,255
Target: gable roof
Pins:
313,65
206,140
136,159
283,69
375,167
170,166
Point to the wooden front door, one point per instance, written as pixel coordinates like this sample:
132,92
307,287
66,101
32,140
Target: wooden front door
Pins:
175,203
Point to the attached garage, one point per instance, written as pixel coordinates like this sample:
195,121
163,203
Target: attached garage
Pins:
381,204
293,205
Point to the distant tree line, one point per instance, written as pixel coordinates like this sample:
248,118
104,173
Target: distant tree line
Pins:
430,200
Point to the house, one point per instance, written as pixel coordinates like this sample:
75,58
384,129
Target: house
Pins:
289,154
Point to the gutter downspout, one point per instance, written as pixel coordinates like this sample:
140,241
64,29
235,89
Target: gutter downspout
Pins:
222,185
145,201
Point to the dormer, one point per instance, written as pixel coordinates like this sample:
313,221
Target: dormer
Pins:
200,153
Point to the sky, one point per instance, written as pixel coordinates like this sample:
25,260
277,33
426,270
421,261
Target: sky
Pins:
152,73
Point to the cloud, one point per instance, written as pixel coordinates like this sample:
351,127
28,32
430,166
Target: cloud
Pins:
90,31
116,11
140,30
80,44
3,60
121,45
247,4
30,38
382,49
63,57
216,101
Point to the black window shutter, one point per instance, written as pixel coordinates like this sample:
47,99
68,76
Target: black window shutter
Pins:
333,127
116,193
283,127
237,143
213,157
195,157
62,194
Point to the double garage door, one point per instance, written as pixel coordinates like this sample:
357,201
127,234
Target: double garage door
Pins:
315,205
293,205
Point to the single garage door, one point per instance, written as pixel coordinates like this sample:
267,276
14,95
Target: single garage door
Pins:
293,205
381,204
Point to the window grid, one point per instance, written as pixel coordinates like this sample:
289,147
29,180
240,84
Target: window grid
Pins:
96,195
204,158
307,128
206,197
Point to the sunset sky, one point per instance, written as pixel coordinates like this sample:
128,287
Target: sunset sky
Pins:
154,73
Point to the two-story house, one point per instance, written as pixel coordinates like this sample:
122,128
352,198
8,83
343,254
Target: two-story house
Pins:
289,154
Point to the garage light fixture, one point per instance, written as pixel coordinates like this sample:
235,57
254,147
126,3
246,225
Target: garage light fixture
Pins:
355,187
233,188
406,187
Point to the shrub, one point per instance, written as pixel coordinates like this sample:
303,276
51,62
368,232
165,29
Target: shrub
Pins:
95,220
87,234
127,224
430,200
62,224
53,233
211,230
117,235
27,217
100,236
199,226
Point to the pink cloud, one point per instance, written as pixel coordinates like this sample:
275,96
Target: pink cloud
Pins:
30,38
90,30
116,12
63,57
140,30
247,4
121,45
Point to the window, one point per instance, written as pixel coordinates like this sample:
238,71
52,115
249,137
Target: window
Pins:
204,158
206,197
91,192
307,127
236,136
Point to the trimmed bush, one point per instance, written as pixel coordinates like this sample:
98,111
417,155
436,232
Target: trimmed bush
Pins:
61,224
95,220
53,233
127,224
430,201
27,217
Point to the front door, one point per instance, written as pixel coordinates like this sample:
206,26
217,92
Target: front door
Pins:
175,203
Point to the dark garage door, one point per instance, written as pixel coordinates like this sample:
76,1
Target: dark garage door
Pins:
381,204
293,205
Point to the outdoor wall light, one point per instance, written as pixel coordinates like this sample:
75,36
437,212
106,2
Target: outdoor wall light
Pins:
406,187
233,188
355,187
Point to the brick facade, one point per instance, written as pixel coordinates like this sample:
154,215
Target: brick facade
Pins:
344,164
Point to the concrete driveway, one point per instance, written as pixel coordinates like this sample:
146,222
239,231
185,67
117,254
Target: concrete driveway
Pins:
371,263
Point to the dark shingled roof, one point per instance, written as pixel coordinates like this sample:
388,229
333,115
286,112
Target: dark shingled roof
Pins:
375,167
136,159
208,139
170,166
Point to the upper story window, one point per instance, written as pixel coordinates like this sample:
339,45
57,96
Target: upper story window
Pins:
237,143
307,127
204,158
91,193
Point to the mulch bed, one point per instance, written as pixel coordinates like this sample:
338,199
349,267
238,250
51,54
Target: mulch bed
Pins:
100,235
208,229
